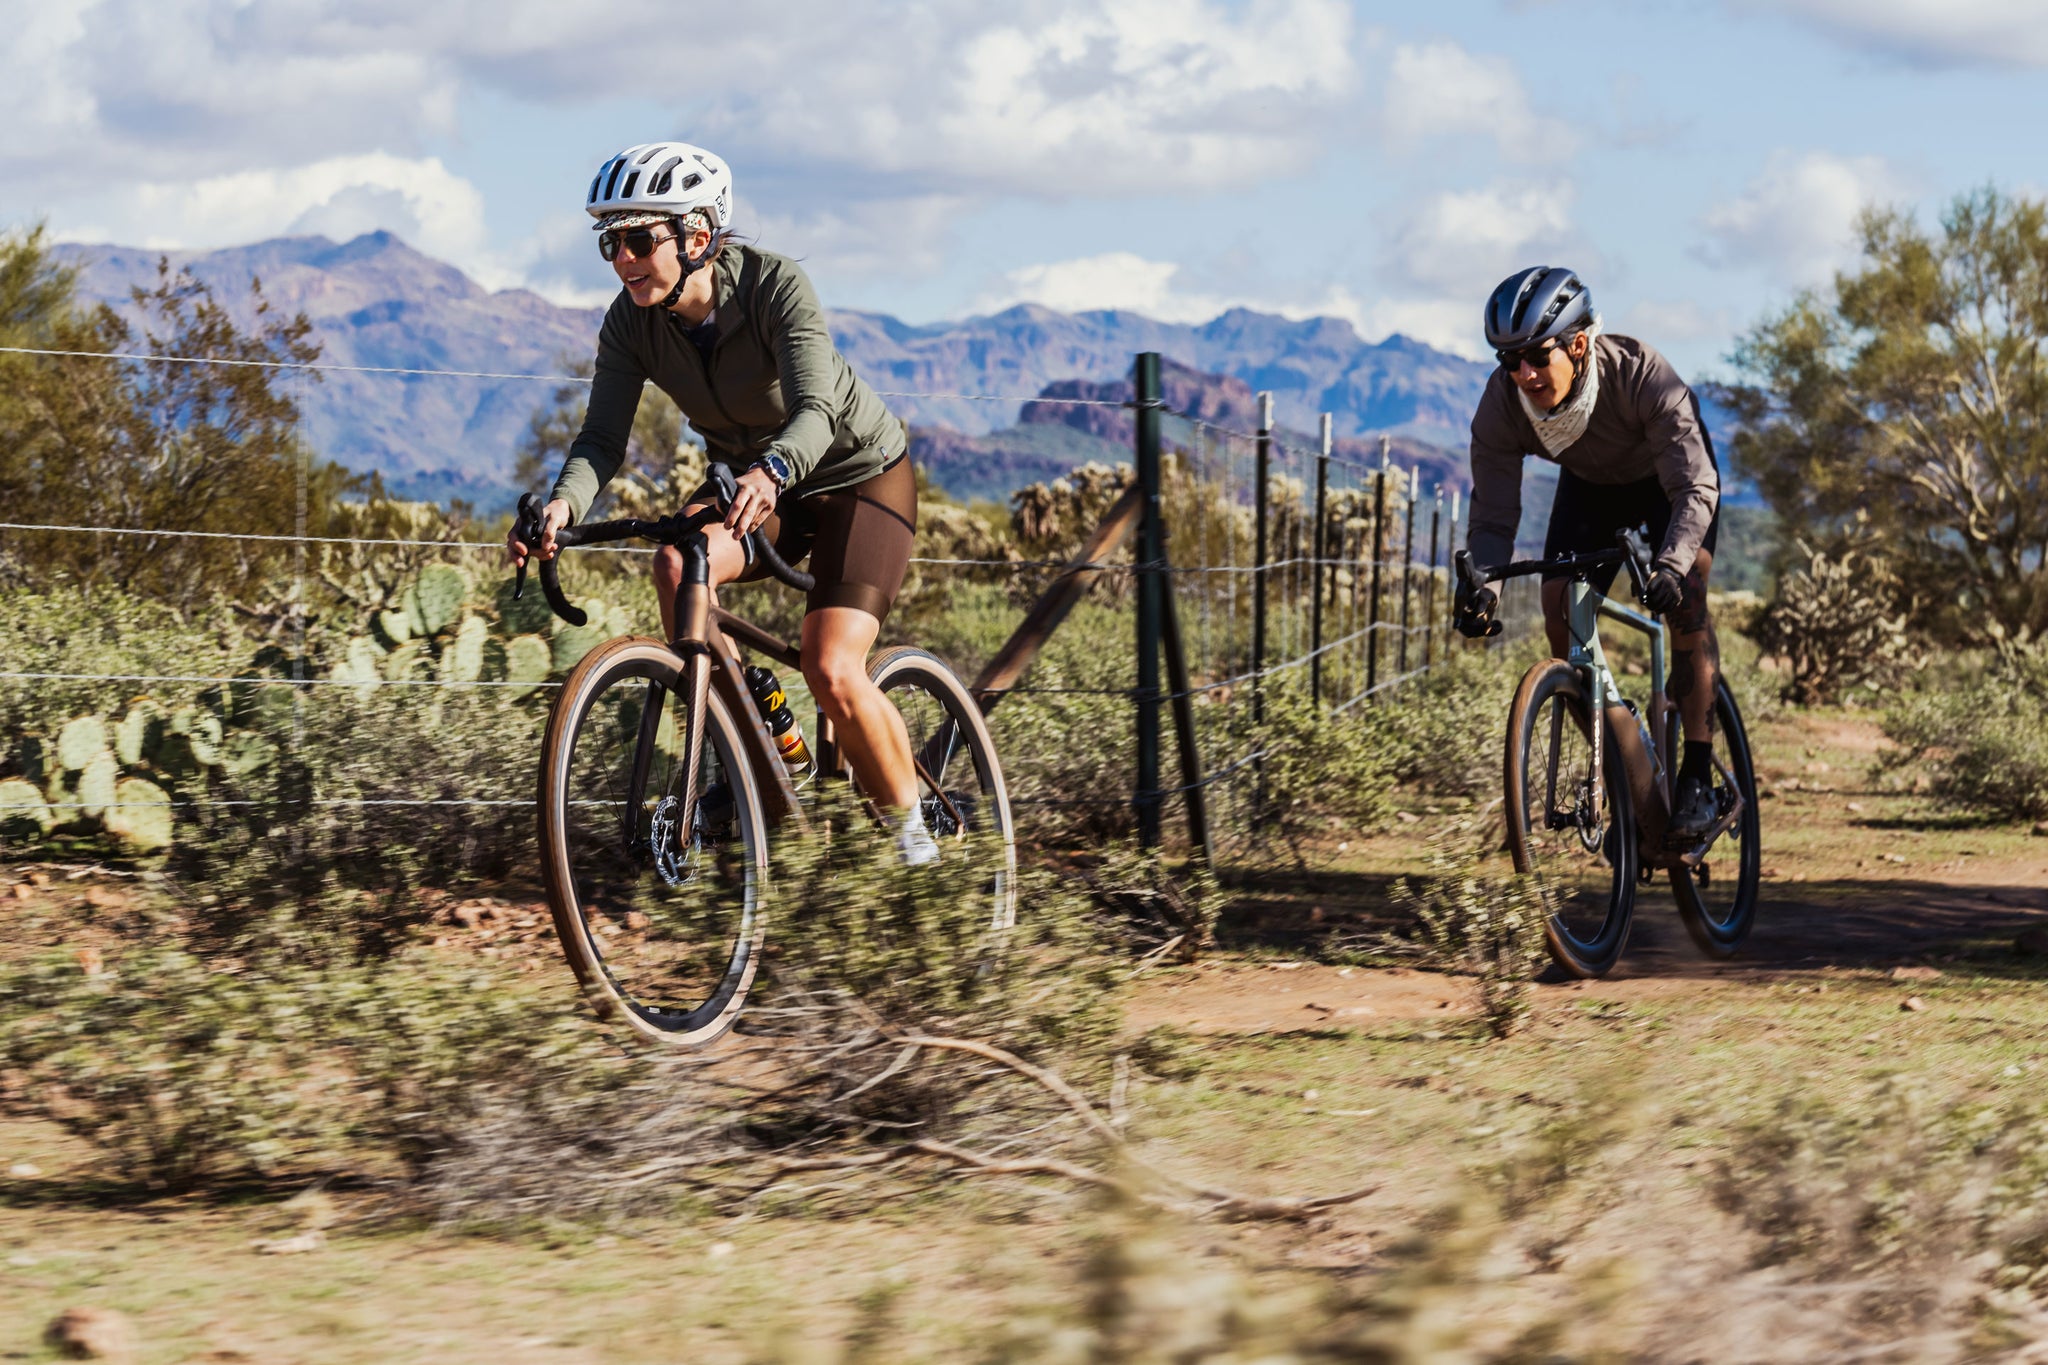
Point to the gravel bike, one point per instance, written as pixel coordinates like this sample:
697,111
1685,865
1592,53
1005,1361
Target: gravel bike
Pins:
1588,805
660,783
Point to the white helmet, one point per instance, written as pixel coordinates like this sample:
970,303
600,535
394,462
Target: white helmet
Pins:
665,178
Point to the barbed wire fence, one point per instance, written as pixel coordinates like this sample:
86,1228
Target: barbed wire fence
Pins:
1260,564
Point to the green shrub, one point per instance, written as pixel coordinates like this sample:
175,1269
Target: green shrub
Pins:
180,1070
1984,737
1841,621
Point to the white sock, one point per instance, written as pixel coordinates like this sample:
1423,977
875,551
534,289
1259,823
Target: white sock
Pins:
914,843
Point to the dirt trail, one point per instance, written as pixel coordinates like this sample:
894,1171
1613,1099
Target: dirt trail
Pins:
1857,878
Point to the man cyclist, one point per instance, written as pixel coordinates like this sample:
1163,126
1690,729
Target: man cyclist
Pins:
1633,450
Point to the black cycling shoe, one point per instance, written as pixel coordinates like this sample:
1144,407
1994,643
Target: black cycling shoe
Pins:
1694,813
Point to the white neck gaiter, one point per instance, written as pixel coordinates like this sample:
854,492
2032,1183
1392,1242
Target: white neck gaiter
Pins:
1558,430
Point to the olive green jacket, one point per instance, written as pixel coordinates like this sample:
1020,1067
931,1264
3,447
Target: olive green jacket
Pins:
775,382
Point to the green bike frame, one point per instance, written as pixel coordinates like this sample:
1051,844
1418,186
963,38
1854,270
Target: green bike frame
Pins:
1641,745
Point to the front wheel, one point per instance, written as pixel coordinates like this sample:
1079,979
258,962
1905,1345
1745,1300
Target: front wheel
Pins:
959,780
1717,899
1576,840
653,847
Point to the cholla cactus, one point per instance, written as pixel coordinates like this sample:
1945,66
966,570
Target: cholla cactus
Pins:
1840,622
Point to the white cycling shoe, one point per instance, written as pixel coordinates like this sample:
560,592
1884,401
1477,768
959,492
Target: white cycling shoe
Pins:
914,843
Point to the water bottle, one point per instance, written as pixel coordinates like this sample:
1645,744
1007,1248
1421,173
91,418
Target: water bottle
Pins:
781,721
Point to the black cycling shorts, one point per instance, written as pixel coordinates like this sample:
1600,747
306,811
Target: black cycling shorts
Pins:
1588,516
859,540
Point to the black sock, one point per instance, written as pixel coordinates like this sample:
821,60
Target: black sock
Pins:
1698,761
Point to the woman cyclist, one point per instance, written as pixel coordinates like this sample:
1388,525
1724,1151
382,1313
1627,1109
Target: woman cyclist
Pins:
1628,433
736,337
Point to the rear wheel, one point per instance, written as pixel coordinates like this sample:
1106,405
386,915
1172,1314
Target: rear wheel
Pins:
1718,898
654,866
960,781
1578,844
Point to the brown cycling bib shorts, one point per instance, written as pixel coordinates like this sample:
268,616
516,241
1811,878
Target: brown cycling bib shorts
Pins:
859,539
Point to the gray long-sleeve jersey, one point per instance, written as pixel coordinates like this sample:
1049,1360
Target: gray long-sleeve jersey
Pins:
1645,421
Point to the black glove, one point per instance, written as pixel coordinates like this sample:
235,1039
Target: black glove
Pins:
1666,592
1474,613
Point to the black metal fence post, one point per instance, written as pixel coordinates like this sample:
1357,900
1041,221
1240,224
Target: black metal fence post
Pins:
1436,521
1379,554
1315,610
1408,563
1151,589
1261,494
1263,475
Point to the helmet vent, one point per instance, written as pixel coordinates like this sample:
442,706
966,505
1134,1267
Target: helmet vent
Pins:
628,191
613,182
692,181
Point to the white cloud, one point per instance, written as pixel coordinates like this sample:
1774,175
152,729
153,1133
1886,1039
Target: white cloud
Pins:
1797,220
1932,32
898,119
1113,280
339,197
1467,241
1440,89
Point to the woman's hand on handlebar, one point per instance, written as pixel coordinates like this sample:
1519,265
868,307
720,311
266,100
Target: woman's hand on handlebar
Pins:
553,518
753,504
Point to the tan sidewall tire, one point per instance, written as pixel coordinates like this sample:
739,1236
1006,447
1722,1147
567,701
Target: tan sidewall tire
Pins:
585,680
934,673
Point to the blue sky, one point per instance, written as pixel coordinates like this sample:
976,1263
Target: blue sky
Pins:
1700,162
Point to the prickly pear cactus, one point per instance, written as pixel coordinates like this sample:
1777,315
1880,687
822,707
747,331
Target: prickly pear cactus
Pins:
247,754
139,816
24,814
439,593
201,730
403,661
527,660
81,739
96,784
362,661
138,731
462,658
571,643
393,628
528,615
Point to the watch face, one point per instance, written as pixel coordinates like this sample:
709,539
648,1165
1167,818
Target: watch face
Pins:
778,469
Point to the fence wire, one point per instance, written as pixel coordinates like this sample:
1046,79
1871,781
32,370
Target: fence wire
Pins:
1354,582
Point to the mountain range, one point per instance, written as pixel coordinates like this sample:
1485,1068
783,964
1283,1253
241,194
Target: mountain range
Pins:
376,302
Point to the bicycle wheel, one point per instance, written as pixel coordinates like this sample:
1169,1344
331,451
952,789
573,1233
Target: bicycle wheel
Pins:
654,868
1580,851
960,780
1717,900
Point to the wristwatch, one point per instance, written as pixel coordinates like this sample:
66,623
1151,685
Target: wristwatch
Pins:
775,467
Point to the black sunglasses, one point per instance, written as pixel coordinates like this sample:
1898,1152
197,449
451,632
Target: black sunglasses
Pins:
639,241
1536,357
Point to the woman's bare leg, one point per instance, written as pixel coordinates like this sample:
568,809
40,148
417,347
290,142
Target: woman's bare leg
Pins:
836,641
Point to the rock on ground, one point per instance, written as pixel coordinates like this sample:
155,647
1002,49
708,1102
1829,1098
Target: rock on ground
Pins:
92,1334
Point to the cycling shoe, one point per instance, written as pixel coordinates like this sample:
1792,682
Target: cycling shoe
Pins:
1694,813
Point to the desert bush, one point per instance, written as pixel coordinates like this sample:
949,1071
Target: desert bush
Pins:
1478,918
179,1072
1440,733
1325,772
1928,1206
190,1069
1983,738
1841,622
